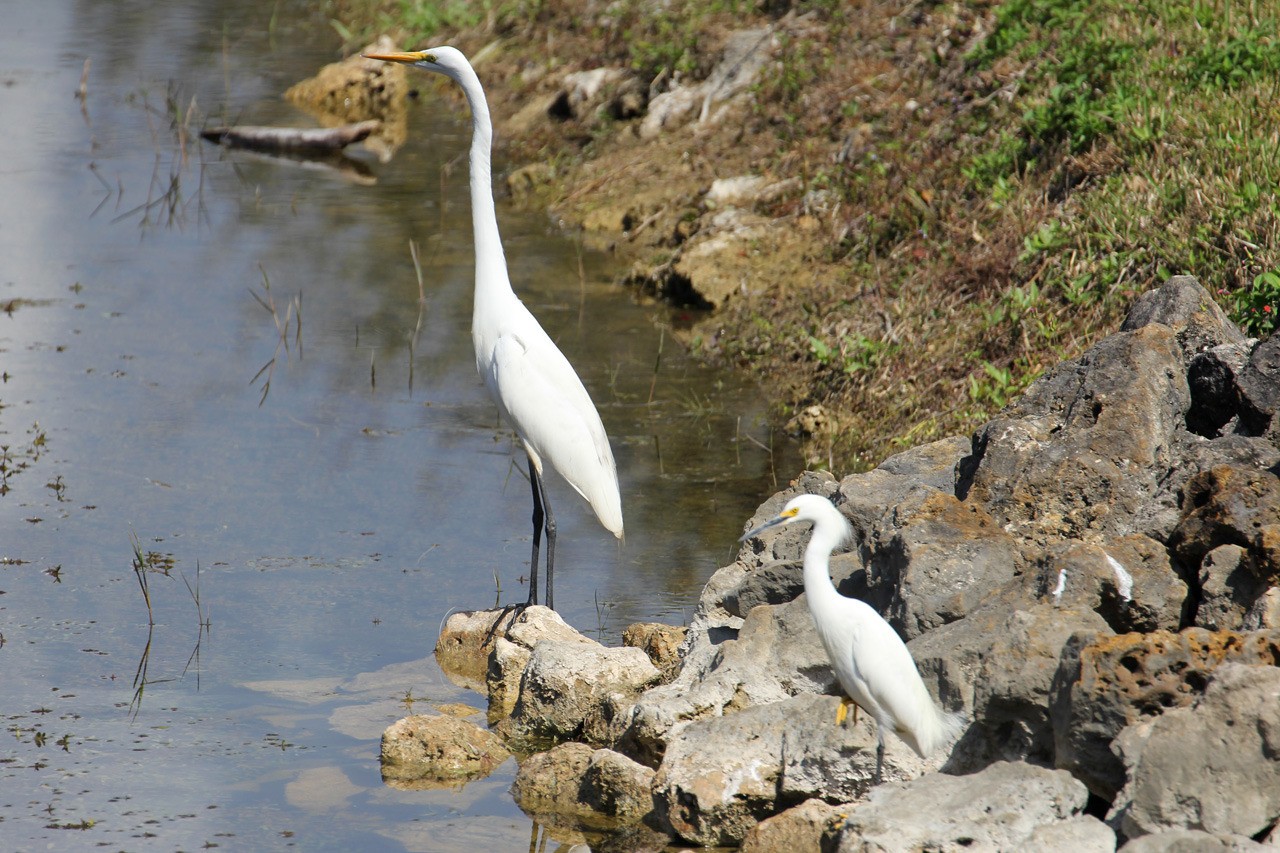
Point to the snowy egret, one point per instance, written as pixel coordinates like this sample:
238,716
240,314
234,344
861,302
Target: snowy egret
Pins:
870,660
536,389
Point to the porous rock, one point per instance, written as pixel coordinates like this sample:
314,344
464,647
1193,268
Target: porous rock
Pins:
438,750
942,559
464,644
776,654
1103,685
1213,765
999,808
659,641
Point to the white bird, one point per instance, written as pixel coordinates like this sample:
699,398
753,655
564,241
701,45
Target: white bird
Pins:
536,389
870,660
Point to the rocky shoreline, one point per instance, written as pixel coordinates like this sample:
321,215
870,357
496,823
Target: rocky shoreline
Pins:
1093,579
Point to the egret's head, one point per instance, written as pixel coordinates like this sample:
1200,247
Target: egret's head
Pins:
448,61
813,508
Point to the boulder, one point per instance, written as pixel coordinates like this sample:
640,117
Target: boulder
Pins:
1213,765
999,808
1260,389
510,650
574,784
1084,450
721,775
1129,581
438,751
1192,841
464,644
940,559
776,655
565,683
1104,685
798,829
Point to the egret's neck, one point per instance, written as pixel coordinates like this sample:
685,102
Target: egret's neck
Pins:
491,264
817,558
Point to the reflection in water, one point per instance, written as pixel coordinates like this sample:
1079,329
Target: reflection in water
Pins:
332,524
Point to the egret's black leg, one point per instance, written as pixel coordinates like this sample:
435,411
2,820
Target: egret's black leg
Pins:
879,759
536,482
550,527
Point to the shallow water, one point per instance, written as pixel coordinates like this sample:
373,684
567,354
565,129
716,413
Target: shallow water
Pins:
321,494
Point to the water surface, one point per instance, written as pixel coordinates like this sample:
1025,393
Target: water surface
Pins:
322,492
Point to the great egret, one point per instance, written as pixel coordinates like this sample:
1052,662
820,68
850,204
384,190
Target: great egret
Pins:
536,389
870,660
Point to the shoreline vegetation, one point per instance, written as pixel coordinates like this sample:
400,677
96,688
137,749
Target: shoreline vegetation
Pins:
834,196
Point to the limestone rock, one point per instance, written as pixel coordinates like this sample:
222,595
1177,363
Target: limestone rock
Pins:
799,829
1192,841
1260,388
942,559
464,644
507,663
1188,309
1213,379
566,682
357,89
1213,765
1129,581
1104,685
1000,808
660,642
777,654
438,750
1083,451
721,775
1229,535
576,784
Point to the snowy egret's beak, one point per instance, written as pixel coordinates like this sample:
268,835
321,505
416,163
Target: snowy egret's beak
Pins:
786,516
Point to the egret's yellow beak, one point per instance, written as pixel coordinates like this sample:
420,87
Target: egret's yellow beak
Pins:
406,57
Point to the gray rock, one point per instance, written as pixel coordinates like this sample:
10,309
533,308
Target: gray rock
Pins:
509,640
998,665
1260,388
1213,379
464,644
1105,685
1192,841
999,808
721,775
659,641
1183,305
776,655
941,560
566,682
1082,833
1084,451
435,751
1214,765
1129,581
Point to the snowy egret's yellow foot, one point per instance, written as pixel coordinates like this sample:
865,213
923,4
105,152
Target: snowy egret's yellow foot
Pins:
843,711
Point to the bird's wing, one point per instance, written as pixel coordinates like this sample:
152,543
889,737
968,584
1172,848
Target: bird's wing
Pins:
553,415
884,664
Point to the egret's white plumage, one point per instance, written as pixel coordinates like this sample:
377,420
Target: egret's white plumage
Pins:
536,389
870,660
